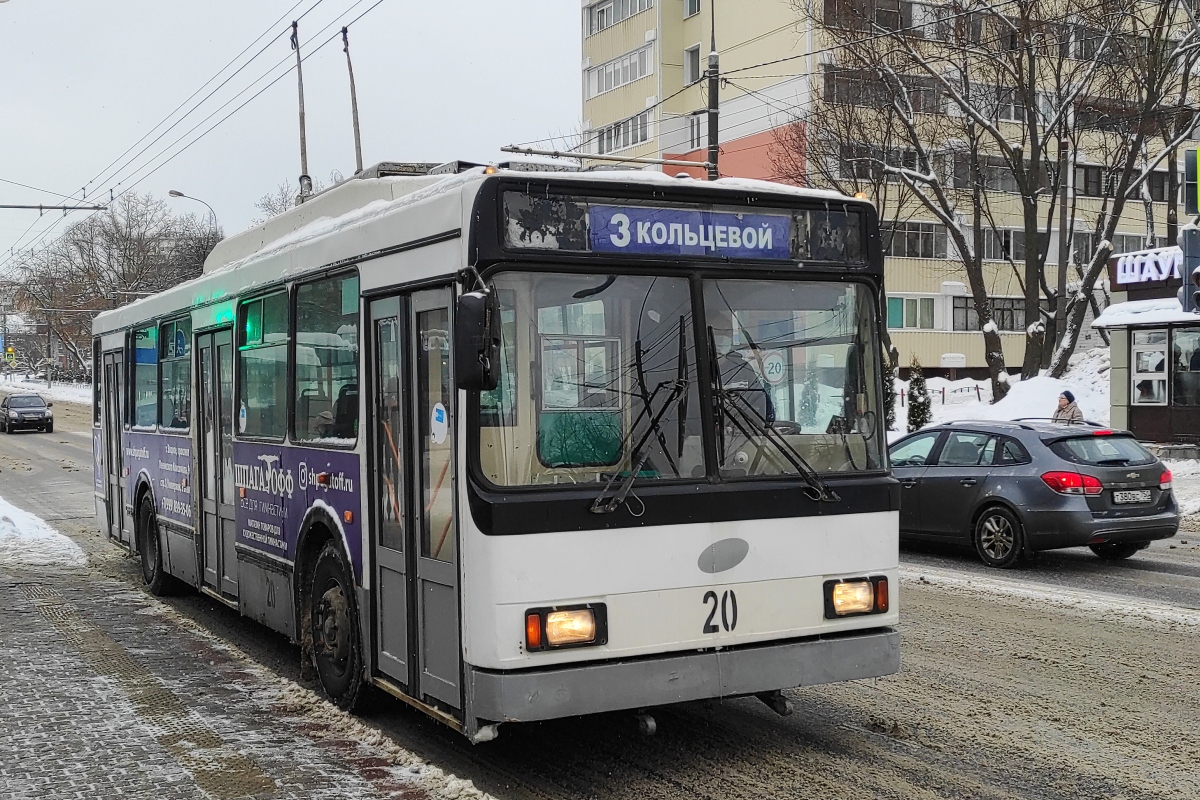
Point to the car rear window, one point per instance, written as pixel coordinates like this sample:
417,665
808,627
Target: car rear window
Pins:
1101,451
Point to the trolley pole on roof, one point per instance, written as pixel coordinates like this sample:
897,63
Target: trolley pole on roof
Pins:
305,180
353,102
714,86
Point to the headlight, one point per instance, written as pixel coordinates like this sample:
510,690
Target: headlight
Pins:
845,598
12,415
49,413
549,628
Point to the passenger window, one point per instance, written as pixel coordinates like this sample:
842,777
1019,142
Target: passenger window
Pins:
262,367
915,452
145,377
1012,453
498,408
964,449
326,388
175,388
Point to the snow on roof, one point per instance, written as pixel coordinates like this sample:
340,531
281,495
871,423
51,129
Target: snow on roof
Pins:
1144,312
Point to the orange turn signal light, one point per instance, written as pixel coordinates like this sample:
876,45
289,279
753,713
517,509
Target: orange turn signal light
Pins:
533,631
881,595
348,516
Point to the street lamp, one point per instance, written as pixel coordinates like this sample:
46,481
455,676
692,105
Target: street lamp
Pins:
177,193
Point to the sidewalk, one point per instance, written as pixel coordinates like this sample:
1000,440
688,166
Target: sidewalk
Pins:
108,693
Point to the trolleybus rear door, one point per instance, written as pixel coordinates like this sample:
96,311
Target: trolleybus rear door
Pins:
438,649
114,422
390,505
215,375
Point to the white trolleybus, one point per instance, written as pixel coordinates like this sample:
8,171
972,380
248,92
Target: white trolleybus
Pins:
516,446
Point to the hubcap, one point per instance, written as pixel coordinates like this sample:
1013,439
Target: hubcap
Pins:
333,628
996,537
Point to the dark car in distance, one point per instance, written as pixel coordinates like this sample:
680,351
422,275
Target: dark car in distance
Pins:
25,411
1014,488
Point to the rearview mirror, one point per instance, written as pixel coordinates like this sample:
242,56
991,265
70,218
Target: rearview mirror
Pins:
477,341
49,405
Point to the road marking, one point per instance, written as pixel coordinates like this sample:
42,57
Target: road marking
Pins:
1091,601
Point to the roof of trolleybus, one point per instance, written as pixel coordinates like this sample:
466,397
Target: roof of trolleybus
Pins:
362,218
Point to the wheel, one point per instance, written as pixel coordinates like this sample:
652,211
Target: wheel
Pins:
998,537
337,651
50,428
157,580
1115,551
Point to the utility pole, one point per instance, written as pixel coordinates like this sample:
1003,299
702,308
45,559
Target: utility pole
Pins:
1064,241
353,102
714,100
305,179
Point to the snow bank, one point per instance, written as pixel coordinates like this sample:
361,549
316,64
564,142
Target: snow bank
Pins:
27,541
77,393
1143,312
1185,477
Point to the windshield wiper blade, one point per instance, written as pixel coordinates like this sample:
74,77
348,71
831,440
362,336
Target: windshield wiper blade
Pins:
599,505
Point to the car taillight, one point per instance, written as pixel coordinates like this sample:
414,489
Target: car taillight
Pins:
1073,483
1164,482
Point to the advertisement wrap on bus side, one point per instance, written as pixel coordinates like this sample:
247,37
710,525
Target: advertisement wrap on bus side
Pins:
98,460
167,461
277,486
686,232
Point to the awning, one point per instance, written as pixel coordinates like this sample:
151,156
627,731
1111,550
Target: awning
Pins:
1144,312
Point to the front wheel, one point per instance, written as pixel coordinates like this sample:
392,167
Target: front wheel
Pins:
998,538
50,428
157,580
1116,551
337,651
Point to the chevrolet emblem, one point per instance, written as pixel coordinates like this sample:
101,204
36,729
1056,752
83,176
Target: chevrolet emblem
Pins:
1134,475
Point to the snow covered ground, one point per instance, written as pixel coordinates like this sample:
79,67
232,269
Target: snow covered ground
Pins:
27,541
1186,477
79,393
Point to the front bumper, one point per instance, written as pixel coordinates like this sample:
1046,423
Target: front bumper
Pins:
589,688
1052,529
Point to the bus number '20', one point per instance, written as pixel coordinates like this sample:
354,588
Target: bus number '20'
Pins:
727,605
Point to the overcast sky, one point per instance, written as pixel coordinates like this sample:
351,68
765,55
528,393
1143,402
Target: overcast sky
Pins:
82,81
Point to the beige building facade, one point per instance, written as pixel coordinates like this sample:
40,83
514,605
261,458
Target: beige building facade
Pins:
644,96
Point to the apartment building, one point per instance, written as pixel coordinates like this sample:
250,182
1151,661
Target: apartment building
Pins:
642,74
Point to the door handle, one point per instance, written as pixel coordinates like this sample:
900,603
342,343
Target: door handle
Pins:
968,481
908,484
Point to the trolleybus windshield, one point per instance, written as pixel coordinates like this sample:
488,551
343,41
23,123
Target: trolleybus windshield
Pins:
601,379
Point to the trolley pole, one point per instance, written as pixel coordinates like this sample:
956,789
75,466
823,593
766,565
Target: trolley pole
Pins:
353,102
305,179
714,101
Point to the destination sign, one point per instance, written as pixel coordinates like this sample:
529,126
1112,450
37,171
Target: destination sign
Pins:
687,232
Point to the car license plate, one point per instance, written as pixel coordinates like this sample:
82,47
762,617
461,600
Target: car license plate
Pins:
1139,496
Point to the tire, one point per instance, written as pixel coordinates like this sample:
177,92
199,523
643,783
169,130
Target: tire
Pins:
998,537
337,650
157,580
1116,551
50,428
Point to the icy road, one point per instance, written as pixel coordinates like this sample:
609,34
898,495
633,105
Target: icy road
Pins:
1069,678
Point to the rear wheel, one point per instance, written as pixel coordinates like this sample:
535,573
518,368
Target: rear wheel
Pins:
998,538
1116,551
337,650
157,580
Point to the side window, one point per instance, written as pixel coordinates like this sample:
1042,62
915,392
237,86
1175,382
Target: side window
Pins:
915,452
175,355
966,449
1012,453
262,366
96,381
145,377
498,408
326,387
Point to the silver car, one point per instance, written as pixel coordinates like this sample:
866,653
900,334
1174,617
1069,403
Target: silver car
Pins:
1013,488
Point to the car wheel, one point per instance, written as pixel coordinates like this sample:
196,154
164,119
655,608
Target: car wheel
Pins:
337,651
1115,551
157,580
998,537
50,428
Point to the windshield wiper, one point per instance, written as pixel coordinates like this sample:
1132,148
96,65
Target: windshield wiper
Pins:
599,506
746,416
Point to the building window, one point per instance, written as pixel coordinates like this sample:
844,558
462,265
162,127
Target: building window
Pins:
866,162
914,240
1185,361
691,8
145,377
1005,244
175,387
695,130
620,71
691,65
262,366
326,388
607,13
910,312
1007,312
1160,188
1093,182
993,171
863,88
626,133
1148,368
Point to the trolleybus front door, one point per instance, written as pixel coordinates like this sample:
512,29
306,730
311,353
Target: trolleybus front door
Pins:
215,376
114,421
416,547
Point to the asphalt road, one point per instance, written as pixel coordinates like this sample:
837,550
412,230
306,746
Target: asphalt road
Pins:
1069,677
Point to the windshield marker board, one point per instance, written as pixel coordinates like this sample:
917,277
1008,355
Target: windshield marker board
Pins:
687,232
774,368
